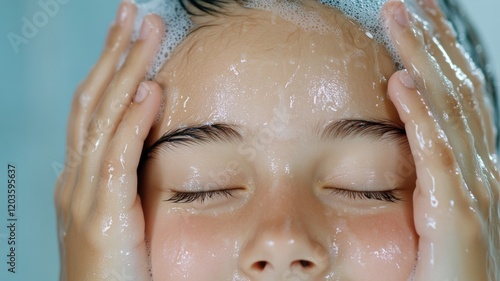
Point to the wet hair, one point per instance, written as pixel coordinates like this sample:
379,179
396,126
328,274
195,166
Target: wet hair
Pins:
466,33
211,7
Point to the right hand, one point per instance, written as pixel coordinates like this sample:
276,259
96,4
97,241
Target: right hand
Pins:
100,217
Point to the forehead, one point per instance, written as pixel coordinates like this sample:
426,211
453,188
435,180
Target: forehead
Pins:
242,68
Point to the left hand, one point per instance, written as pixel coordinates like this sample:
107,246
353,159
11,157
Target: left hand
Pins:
100,216
440,98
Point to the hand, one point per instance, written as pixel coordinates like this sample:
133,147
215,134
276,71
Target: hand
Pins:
100,218
441,100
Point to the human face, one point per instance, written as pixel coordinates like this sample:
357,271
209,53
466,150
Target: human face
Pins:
288,183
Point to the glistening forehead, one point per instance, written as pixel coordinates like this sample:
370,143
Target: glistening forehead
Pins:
260,30
239,69
180,23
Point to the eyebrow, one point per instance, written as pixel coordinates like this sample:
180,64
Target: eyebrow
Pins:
224,132
193,135
375,129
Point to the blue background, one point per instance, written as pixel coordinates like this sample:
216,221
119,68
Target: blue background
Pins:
36,87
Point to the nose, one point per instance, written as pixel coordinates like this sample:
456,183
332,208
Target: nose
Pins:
283,251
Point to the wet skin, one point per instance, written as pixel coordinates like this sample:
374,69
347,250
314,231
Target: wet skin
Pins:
278,156
293,182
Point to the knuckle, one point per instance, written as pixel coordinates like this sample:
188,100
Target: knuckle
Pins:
115,40
453,104
78,211
120,103
98,127
470,105
80,99
436,146
110,168
444,153
454,118
62,198
122,79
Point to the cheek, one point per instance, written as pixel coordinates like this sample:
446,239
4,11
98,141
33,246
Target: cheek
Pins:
384,246
191,248
368,247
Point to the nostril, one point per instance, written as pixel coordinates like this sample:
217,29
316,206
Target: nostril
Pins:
306,264
260,265
303,264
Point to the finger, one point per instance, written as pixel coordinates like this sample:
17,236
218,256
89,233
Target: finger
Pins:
119,94
466,77
119,169
89,93
62,199
469,96
471,116
476,120
487,108
441,199
447,37
428,143
438,91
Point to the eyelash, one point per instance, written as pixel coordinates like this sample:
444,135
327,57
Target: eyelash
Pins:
386,196
189,197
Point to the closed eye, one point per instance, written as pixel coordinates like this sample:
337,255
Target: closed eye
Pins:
189,197
386,196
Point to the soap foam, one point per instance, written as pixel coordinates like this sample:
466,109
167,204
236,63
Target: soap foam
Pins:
365,12
294,11
177,23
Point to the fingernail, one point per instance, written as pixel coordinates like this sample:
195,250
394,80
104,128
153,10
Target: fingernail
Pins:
400,14
142,92
122,14
406,79
145,28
